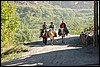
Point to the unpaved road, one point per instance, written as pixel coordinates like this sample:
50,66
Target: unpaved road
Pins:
72,53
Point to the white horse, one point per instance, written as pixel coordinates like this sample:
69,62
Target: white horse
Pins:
62,32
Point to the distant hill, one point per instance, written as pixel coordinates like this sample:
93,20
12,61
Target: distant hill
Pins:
63,4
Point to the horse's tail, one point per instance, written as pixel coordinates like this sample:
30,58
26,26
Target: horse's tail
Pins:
66,31
48,34
55,34
59,32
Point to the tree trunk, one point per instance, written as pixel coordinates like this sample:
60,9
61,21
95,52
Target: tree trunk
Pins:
95,23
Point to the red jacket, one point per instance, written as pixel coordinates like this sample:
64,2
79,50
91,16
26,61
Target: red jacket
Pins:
62,25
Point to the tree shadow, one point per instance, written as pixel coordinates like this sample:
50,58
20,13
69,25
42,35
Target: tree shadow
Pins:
70,41
35,44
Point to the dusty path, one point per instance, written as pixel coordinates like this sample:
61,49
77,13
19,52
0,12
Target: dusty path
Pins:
72,53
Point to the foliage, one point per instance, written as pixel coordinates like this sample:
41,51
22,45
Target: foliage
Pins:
15,49
31,19
13,52
9,23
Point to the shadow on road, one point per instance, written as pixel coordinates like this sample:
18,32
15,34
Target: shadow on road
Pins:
84,56
71,41
69,57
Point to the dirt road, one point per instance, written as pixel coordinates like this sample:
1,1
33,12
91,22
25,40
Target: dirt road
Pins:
71,53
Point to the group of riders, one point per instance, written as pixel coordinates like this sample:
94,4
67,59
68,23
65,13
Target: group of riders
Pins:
62,31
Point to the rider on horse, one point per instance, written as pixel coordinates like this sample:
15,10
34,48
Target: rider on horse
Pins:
46,33
52,26
51,29
63,28
43,30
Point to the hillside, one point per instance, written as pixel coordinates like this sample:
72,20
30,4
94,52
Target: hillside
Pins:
63,4
32,17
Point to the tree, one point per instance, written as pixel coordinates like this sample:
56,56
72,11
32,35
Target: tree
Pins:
9,22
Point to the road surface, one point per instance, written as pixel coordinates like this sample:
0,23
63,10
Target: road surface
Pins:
71,53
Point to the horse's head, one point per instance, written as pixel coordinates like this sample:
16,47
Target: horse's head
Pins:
47,29
50,29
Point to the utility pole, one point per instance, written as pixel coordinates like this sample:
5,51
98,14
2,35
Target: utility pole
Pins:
95,41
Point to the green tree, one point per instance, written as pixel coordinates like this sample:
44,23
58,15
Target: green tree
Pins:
9,23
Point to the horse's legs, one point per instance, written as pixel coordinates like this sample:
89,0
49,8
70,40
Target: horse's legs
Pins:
62,39
45,41
52,40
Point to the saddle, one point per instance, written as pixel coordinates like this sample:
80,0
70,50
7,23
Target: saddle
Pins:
47,33
52,33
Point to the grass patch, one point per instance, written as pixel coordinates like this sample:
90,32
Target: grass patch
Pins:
10,57
7,55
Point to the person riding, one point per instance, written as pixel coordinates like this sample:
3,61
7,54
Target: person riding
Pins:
44,27
52,26
52,31
63,27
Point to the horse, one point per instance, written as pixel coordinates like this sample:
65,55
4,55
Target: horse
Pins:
62,32
49,33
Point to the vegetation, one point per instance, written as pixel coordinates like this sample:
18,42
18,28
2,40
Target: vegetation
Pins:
32,18
63,4
9,24
11,53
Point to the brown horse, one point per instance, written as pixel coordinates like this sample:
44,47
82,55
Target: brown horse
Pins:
49,33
